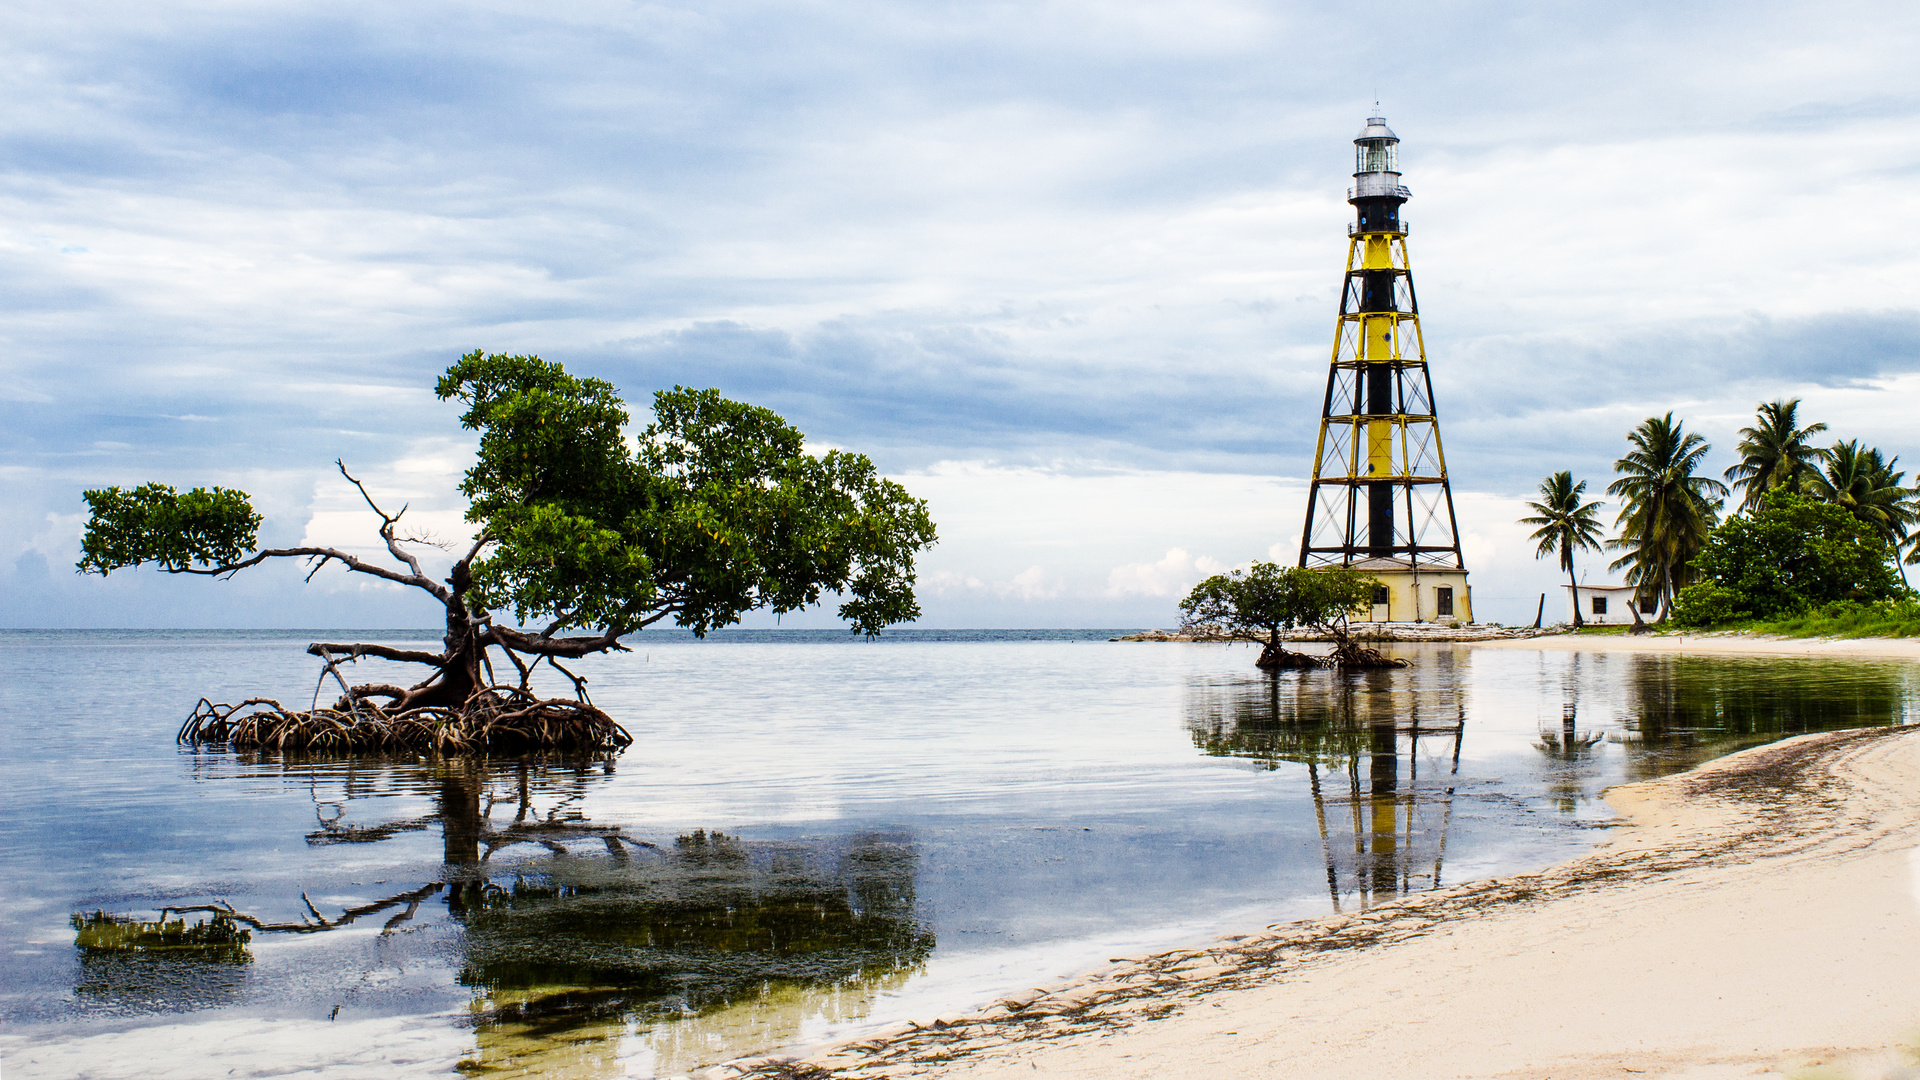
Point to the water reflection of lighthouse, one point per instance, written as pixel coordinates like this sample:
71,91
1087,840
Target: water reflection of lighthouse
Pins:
1381,757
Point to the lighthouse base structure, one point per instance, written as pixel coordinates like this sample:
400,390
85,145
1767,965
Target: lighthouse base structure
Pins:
1415,593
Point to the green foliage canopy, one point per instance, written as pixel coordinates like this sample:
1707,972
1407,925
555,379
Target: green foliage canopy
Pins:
1667,510
1264,601
153,523
1791,555
713,510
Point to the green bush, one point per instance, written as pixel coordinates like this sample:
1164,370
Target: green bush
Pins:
1792,555
1704,604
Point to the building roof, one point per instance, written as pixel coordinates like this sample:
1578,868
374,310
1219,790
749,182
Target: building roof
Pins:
1402,564
1377,129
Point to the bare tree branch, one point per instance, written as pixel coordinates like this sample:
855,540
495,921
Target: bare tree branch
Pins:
573,647
305,927
353,704
325,649
353,563
526,673
387,521
473,552
426,537
579,684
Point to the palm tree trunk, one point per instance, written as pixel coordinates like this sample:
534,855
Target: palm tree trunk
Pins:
1573,591
1666,589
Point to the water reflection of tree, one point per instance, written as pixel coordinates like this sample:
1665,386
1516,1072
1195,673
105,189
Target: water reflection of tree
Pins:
1685,709
708,924
139,965
1570,752
1394,737
573,928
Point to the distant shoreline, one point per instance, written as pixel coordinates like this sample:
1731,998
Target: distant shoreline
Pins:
1557,639
1367,632
1754,916
1722,644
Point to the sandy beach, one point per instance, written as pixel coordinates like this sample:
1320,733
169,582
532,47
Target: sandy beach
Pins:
1759,916
1721,645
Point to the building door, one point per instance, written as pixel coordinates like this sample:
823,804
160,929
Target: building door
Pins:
1443,601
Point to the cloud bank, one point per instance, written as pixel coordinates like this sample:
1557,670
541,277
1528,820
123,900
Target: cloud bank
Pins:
1068,270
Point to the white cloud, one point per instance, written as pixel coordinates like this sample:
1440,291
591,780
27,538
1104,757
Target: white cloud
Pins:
1172,576
946,583
1030,585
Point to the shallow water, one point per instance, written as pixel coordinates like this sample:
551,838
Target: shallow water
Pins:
810,835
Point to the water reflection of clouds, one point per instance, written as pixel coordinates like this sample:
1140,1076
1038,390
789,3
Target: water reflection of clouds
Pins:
583,946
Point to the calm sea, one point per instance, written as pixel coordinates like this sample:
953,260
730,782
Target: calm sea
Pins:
811,834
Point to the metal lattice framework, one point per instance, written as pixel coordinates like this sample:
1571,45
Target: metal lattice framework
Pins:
1379,488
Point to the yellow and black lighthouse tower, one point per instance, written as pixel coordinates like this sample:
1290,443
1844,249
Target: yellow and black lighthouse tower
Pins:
1379,499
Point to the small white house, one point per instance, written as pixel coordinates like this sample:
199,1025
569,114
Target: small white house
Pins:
1607,605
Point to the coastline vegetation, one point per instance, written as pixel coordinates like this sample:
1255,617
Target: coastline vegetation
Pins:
1817,544
1899,617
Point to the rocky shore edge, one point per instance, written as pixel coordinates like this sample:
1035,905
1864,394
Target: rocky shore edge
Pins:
1376,632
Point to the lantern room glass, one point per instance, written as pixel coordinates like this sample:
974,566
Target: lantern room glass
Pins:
1376,155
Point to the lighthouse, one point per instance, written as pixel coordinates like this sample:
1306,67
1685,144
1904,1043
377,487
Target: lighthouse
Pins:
1379,500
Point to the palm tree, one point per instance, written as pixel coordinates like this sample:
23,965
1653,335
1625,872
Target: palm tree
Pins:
1774,453
1567,524
1666,511
1857,479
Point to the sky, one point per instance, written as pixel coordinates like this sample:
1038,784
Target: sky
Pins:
1068,271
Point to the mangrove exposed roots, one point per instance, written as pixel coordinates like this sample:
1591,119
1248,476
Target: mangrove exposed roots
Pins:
1348,655
496,719
1277,658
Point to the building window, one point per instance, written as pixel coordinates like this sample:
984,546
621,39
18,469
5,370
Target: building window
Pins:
1599,605
1443,600
1380,595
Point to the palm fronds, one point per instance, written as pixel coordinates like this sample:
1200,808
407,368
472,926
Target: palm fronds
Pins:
1774,453
1857,479
1667,510
1567,523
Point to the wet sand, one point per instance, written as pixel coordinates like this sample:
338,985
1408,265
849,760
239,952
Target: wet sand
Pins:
1728,644
1759,916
